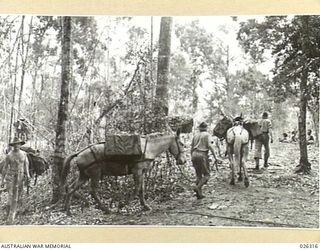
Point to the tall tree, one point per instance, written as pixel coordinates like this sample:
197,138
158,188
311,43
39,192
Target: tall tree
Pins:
162,98
63,107
200,55
294,42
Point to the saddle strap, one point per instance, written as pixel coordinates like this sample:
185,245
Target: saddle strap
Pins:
242,128
145,146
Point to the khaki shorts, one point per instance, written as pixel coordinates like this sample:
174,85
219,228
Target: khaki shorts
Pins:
200,162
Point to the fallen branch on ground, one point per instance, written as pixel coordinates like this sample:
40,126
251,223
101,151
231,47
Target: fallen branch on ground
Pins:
239,219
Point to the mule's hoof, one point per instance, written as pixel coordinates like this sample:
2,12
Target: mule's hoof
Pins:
200,196
246,183
198,193
146,208
240,178
107,211
232,182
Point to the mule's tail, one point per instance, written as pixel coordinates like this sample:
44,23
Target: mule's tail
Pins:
237,150
66,168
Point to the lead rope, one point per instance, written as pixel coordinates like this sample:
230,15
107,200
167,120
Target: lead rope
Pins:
180,169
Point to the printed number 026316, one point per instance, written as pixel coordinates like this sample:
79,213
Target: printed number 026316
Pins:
309,246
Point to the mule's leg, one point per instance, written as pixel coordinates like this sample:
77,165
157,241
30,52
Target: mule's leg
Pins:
245,152
240,168
236,163
231,160
138,175
257,152
143,203
79,196
94,185
74,187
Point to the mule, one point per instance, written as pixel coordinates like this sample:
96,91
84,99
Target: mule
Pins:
153,146
237,135
37,164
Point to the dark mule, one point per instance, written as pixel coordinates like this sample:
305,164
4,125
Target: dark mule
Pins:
37,164
92,163
237,134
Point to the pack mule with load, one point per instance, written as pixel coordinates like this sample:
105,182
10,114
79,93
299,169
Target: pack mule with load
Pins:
119,156
237,134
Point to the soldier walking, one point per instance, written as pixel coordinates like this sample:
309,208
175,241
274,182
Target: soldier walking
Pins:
201,144
15,168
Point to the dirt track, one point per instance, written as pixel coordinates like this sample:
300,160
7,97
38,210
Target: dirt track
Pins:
276,197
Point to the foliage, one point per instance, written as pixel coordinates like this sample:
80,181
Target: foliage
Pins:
293,46
198,58
173,201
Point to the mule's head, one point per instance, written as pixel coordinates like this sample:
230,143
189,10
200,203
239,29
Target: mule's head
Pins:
238,120
177,149
221,128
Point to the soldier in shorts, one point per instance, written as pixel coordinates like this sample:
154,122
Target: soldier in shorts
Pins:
200,146
263,140
16,166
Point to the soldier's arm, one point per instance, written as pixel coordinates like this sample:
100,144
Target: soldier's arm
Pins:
5,170
270,131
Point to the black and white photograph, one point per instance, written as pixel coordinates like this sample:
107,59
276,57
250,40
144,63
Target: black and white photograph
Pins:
189,121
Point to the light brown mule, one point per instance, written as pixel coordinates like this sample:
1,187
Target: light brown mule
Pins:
153,146
237,138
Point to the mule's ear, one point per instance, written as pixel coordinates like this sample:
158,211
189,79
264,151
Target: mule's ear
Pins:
221,112
168,127
178,131
241,115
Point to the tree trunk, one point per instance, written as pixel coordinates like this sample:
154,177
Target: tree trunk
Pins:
161,107
63,108
304,165
12,116
315,119
195,98
22,65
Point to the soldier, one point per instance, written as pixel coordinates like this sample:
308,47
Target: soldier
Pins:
200,146
263,139
16,166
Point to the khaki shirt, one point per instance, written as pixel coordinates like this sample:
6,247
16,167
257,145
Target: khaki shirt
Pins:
265,125
202,141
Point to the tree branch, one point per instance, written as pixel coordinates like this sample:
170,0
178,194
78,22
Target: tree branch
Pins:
118,101
239,219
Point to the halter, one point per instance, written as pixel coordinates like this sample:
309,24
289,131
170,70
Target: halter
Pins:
179,150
